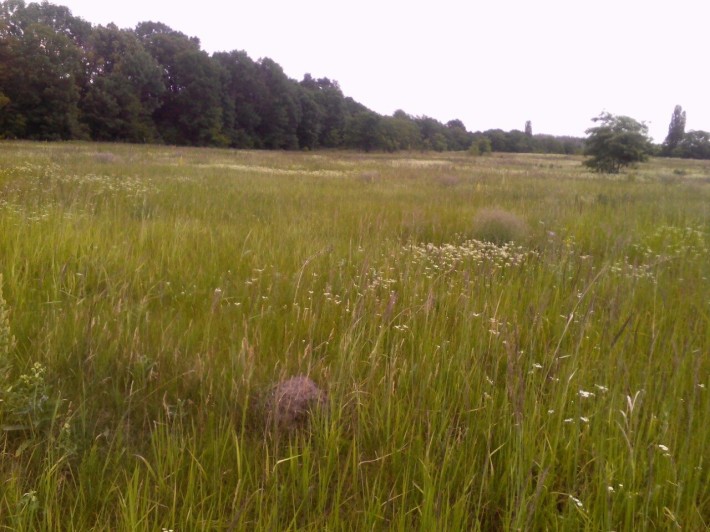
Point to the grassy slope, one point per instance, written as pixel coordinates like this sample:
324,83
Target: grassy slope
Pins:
161,291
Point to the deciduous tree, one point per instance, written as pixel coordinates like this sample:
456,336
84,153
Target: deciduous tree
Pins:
124,89
694,145
616,142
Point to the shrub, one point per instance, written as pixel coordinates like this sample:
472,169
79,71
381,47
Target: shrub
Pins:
498,226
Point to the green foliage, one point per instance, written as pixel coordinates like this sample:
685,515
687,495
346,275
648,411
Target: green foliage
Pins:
61,78
676,131
24,401
498,226
693,145
279,107
528,129
40,79
26,404
556,383
240,84
617,142
126,87
480,145
678,143
363,131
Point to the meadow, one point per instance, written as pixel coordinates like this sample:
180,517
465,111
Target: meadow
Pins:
152,296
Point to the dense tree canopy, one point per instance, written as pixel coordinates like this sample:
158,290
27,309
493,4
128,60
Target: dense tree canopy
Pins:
62,78
678,143
616,142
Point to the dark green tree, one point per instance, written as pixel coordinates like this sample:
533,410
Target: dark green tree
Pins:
433,134
40,82
363,131
278,106
480,145
311,123
457,138
331,103
676,132
190,111
617,142
519,142
399,132
528,128
124,89
241,86
694,145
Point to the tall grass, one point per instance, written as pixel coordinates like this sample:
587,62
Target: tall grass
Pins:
157,294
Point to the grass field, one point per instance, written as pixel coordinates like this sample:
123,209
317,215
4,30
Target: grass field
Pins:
156,294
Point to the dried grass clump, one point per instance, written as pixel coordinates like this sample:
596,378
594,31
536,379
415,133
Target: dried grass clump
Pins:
369,177
106,158
448,180
291,403
498,226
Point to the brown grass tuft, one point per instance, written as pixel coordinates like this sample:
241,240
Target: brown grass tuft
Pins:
292,401
498,226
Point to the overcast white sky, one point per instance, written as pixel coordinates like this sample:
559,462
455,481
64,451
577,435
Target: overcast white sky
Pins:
489,63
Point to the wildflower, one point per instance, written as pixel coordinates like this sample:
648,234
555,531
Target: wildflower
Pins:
576,501
663,447
585,395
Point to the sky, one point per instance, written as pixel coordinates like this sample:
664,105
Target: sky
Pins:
491,64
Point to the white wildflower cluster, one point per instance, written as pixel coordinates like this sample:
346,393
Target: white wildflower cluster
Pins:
377,279
294,171
45,185
582,419
664,450
627,269
103,184
577,502
584,395
449,257
419,163
497,326
671,241
336,299
665,243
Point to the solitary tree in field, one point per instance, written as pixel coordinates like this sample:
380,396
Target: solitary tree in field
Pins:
616,142
676,131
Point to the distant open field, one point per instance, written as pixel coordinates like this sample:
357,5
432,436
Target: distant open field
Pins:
156,294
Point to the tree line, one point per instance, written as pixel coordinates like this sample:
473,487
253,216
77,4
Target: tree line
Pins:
679,143
62,78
